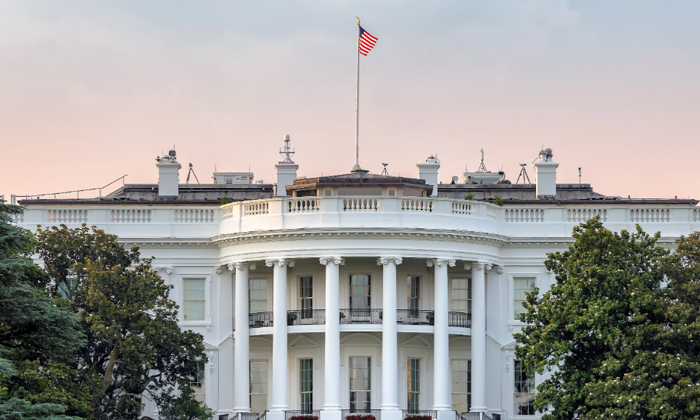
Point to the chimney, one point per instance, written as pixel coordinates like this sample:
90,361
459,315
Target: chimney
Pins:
428,171
286,169
546,175
168,175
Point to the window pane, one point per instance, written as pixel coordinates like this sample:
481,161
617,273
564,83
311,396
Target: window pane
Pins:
306,384
360,383
193,304
524,387
257,295
461,385
461,295
258,385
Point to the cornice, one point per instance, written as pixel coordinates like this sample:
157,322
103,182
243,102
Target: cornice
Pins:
166,242
230,239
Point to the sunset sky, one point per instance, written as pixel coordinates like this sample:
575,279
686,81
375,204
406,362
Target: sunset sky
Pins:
90,91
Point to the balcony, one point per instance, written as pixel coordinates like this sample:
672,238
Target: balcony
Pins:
361,414
358,317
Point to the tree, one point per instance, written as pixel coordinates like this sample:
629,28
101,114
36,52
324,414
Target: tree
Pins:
38,337
134,343
614,344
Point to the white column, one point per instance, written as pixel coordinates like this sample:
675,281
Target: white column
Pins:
478,330
442,389
241,385
390,371
331,403
279,401
224,397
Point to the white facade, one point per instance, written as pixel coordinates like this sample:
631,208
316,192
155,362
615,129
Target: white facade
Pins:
388,287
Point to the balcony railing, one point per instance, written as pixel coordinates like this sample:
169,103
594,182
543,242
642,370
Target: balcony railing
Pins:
409,414
414,317
460,319
361,414
360,316
304,414
306,317
260,319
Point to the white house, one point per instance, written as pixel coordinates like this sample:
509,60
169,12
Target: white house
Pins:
358,292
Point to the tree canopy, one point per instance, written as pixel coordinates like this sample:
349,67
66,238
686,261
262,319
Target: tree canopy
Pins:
134,343
616,335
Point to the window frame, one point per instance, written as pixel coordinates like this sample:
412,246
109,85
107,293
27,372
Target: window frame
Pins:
267,293
415,393
469,379
537,276
306,313
468,278
267,382
207,299
301,382
369,286
371,379
533,391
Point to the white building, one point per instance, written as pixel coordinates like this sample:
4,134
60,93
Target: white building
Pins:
357,292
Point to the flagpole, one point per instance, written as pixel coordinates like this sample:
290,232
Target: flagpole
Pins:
357,103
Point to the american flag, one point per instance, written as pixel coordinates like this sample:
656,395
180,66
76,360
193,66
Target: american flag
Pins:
367,41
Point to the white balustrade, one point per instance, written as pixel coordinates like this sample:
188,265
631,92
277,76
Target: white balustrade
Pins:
524,215
417,204
360,204
303,205
650,215
462,208
194,216
67,216
583,215
130,216
255,208
226,212
696,215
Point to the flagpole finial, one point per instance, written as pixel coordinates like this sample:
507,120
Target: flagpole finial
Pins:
358,19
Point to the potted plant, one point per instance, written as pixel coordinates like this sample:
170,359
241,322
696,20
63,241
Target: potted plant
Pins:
291,317
430,316
381,315
342,315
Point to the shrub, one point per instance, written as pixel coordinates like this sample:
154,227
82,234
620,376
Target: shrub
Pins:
497,200
304,417
224,200
469,196
360,417
418,417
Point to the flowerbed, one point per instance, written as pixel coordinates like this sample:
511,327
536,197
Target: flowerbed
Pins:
360,417
304,417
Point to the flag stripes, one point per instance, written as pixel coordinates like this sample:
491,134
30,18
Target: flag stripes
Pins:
366,41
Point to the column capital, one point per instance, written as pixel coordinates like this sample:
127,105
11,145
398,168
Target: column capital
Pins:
241,264
479,265
387,260
280,262
220,269
334,260
441,262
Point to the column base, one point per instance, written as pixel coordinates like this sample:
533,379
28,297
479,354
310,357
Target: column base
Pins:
331,415
275,415
446,415
392,414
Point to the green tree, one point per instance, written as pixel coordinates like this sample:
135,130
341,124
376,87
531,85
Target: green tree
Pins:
134,343
613,343
38,337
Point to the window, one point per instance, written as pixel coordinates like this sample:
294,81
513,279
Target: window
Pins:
360,291
193,299
306,296
228,180
524,387
462,295
257,295
327,193
258,386
461,385
521,287
414,295
392,193
306,384
413,385
360,384
197,383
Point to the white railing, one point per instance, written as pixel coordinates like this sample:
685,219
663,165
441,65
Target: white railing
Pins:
226,212
130,216
696,215
417,204
583,215
524,215
67,216
302,205
255,209
650,215
194,216
462,208
360,204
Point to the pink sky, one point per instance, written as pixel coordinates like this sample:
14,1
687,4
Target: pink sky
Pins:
92,91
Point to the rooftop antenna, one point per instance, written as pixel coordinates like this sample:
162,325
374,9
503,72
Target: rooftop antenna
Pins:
191,172
579,175
385,172
482,167
286,152
523,174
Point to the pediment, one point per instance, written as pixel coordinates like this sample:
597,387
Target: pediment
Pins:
417,341
302,342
